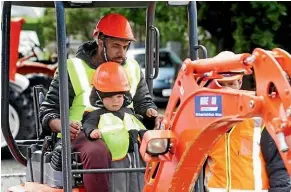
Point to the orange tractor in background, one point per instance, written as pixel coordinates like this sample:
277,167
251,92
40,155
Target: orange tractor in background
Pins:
195,117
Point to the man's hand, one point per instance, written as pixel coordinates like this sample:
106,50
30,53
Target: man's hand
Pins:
151,112
158,121
55,125
75,127
95,134
159,117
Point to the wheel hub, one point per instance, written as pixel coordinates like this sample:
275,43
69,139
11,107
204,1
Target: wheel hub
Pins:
14,124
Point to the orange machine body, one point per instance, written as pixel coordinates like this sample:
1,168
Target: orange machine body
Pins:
198,117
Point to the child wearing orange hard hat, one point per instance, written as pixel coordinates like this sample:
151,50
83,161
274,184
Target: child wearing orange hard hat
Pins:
111,123
112,87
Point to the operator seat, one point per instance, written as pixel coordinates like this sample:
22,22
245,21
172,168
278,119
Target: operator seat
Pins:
45,161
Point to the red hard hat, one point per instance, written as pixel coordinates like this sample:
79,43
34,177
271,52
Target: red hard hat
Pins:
110,77
114,25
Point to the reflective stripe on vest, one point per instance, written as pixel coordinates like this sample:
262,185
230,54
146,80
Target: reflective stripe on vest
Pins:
81,74
236,161
257,164
132,69
115,133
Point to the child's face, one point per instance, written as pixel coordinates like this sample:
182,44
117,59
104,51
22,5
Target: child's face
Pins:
113,103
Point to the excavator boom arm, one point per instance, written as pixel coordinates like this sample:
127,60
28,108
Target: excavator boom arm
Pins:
197,117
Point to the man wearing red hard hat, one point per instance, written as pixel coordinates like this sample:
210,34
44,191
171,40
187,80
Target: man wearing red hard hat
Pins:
112,38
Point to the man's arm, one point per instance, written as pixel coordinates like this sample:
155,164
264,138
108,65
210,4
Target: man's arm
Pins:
279,179
142,99
50,108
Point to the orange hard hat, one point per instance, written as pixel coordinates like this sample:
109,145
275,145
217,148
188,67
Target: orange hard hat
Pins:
110,77
114,25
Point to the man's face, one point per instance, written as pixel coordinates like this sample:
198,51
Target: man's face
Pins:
116,49
232,84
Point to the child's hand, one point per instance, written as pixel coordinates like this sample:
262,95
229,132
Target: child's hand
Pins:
151,112
95,134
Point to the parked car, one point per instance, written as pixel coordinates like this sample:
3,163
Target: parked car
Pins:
169,64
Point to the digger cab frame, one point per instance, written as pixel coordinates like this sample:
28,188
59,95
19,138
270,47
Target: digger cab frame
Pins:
152,45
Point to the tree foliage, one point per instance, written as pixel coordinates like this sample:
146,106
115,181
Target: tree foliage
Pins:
172,20
243,26
236,26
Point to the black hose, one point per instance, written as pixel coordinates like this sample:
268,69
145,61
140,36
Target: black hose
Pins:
6,16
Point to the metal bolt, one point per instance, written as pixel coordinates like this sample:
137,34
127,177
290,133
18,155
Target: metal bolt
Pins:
182,90
252,103
283,125
283,146
273,95
250,59
184,67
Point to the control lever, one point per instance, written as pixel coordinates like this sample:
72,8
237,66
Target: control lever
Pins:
133,136
45,147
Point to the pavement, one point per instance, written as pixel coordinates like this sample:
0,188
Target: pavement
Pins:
12,173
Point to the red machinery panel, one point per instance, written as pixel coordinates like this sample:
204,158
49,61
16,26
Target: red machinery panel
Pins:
15,28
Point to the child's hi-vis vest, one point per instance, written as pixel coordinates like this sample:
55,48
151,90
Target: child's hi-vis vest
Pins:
115,133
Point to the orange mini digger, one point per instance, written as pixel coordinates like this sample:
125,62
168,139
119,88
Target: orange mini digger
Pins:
191,128
175,154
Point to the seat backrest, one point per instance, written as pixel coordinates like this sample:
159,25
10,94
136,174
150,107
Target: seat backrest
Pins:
38,98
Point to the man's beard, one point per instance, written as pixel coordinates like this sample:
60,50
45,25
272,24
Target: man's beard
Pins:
119,58
113,59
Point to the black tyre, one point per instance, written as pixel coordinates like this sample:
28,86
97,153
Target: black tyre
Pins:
21,120
23,125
